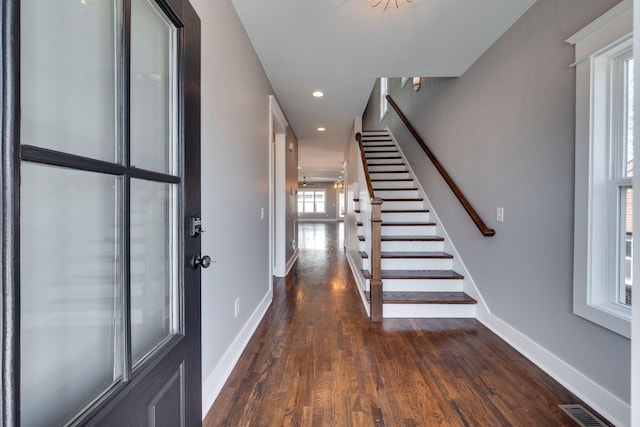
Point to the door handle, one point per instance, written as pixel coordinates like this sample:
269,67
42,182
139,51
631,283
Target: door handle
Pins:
197,261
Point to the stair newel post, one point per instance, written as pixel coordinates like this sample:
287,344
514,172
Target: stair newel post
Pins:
376,264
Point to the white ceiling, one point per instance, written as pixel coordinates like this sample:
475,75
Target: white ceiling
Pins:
341,46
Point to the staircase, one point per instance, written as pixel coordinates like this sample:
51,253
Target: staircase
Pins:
417,274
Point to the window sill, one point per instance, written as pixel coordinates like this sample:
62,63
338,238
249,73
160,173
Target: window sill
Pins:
610,316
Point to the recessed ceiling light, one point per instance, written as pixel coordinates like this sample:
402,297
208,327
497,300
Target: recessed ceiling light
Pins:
318,94
321,129
299,167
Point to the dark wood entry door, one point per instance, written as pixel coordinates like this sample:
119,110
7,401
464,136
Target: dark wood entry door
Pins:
100,213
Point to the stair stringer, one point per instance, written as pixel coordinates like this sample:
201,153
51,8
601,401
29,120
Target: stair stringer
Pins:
361,283
468,284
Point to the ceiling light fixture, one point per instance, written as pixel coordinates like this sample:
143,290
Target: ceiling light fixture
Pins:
417,83
321,129
318,94
384,4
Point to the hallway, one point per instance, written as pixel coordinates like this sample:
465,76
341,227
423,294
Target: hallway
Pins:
316,360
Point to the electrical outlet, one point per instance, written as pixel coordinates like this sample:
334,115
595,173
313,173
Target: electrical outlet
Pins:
237,307
500,214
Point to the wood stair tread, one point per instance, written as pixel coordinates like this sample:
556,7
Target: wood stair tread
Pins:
392,180
411,255
405,210
361,238
424,298
411,238
416,274
402,199
395,189
408,224
393,171
385,164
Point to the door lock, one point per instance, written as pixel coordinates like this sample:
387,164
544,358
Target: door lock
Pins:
196,226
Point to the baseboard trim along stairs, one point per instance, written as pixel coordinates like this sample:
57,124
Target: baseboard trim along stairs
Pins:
417,273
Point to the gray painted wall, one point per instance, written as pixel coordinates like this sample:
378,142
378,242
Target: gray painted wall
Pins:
235,182
505,131
331,213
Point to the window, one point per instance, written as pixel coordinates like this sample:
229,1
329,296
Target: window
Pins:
603,233
311,201
622,173
384,90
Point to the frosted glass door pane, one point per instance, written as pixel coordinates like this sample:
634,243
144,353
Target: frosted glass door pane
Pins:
70,292
153,264
68,76
152,89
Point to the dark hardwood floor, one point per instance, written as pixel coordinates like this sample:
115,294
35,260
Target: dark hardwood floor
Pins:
316,360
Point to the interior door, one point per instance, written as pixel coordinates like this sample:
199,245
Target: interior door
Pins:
101,202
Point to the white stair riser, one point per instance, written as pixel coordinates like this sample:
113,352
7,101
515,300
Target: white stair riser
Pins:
374,148
425,311
390,175
422,285
381,153
401,230
394,246
396,194
405,217
417,263
375,162
411,264
381,185
402,205
375,168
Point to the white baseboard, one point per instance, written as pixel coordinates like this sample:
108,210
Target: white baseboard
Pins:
291,262
608,405
359,282
214,382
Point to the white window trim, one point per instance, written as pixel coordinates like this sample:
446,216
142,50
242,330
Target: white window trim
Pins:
384,104
590,289
323,190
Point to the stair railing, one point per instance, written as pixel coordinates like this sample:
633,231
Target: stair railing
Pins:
486,231
375,282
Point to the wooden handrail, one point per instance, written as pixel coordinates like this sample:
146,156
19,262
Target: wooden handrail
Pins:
364,165
486,231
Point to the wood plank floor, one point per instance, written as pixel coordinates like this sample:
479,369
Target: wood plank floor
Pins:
316,360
